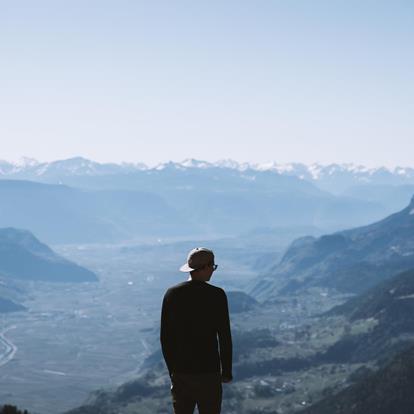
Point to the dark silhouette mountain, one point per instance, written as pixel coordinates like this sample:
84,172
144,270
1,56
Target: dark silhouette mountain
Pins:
390,305
389,390
349,261
24,257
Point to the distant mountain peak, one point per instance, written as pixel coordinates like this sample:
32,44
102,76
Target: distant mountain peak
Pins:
193,163
24,162
334,177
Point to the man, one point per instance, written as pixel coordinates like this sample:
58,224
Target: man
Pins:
196,338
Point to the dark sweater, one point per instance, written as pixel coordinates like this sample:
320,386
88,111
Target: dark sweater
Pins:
194,315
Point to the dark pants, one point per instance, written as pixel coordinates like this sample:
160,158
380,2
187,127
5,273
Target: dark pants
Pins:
203,390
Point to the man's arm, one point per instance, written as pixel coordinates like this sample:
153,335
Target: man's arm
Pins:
166,334
225,342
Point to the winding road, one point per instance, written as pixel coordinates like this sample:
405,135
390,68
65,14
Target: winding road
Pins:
9,349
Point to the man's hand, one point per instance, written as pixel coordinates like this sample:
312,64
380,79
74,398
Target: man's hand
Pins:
226,379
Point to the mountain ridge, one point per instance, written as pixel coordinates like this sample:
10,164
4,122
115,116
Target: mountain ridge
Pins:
312,172
161,204
386,391
348,261
24,257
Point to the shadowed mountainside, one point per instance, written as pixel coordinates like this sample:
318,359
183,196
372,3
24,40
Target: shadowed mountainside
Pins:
389,308
24,257
389,390
349,261
391,301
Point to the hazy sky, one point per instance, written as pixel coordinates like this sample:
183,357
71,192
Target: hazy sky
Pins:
309,81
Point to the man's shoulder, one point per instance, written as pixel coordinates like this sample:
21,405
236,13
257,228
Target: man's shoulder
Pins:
190,284
217,289
217,292
175,288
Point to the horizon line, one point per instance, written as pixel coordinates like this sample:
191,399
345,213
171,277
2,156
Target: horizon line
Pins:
24,161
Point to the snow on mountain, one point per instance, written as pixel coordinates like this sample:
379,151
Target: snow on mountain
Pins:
5,167
32,169
330,176
186,164
26,162
192,163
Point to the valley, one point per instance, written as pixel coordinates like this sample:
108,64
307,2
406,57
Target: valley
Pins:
76,338
313,310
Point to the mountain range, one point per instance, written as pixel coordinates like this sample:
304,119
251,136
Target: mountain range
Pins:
84,205
58,213
337,175
366,193
349,261
78,200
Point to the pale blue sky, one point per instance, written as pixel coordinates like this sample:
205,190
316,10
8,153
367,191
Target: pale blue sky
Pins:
309,81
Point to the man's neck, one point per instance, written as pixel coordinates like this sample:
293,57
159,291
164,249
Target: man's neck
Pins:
196,279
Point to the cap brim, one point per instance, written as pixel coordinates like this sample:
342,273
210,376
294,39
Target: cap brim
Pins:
185,268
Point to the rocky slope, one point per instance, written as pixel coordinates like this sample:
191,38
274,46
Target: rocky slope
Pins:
24,257
348,261
387,391
388,309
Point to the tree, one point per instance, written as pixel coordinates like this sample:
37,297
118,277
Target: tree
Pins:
11,409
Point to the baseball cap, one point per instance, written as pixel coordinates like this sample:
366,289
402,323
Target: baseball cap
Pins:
197,258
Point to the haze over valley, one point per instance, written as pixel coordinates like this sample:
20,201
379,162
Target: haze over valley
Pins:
317,263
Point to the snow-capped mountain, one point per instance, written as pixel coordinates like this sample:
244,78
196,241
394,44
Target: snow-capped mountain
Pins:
31,169
335,178
236,197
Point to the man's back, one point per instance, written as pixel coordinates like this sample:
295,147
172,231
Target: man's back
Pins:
194,316
196,338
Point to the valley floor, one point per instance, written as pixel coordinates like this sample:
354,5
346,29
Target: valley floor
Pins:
77,338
